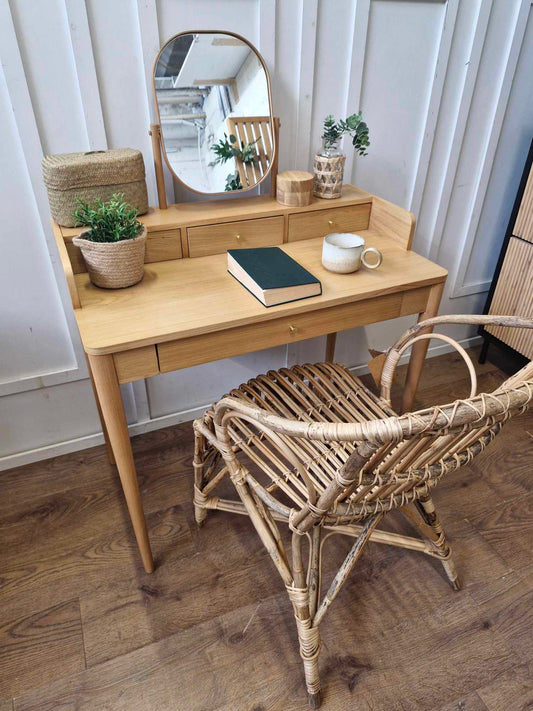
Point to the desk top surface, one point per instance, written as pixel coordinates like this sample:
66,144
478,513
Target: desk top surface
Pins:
188,297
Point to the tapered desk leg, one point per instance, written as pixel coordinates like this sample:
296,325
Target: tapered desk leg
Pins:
419,350
108,390
110,454
331,340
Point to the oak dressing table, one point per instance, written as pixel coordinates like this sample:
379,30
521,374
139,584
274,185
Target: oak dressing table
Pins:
188,310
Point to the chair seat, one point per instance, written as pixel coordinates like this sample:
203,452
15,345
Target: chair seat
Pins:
323,392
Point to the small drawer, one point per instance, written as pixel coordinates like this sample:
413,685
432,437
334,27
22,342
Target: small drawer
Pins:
163,245
215,239
318,223
136,364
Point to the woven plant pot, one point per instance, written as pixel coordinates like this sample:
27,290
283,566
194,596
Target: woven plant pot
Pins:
113,265
328,174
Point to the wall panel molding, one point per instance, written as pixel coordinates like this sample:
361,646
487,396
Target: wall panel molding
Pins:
466,94
175,418
30,142
430,124
356,69
306,75
459,288
83,58
150,41
267,33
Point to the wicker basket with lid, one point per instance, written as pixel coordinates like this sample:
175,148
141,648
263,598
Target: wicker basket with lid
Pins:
93,175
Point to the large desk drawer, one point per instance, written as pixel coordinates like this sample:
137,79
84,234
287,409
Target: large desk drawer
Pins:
257,336
215,239
318,223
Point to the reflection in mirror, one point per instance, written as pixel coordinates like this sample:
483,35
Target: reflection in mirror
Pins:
213,100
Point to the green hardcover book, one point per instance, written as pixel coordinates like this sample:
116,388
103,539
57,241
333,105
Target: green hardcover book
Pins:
271,275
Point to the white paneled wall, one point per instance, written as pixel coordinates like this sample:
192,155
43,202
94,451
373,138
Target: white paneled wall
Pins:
444,85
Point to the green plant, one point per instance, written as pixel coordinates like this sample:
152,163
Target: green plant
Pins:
228,147
233,182
353,126
110,221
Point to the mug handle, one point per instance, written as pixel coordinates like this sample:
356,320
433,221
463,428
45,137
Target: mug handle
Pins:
374,251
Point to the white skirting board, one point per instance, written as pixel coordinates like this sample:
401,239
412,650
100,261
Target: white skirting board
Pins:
93,440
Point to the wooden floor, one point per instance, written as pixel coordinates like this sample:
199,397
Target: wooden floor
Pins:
82,627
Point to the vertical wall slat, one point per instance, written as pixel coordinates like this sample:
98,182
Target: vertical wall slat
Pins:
306,73
466,93
482,179
30,142
150,46
356,70
441,66
82,54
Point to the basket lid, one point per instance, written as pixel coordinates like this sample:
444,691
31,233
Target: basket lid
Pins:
80,170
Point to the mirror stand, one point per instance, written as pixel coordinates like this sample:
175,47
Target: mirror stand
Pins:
155,134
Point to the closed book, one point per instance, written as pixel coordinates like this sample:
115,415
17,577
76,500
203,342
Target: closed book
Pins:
271,275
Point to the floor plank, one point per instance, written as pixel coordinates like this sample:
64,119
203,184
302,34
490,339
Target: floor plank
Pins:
511,691
470,702
41,646
508,528
82,627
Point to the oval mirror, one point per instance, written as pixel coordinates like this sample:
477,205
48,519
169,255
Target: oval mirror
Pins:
212,95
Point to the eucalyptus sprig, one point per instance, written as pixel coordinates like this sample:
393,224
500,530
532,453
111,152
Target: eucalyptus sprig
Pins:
110,221
353,126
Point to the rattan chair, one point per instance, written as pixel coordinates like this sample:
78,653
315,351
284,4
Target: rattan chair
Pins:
311,446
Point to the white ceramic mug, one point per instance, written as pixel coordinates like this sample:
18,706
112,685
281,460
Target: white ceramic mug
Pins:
344,252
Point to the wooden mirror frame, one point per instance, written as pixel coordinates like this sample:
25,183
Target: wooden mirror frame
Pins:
158,144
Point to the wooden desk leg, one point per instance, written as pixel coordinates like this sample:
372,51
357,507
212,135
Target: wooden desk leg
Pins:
331,340
110,454
108,389
419,350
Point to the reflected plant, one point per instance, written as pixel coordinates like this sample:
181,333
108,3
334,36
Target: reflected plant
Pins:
228,147
233,182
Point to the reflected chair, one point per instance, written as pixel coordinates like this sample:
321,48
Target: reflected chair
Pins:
255,131
312,447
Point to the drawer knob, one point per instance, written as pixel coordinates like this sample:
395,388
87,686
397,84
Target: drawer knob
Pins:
330,222
237,237
292,330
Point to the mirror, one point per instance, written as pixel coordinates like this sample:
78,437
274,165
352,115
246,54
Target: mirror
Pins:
212,95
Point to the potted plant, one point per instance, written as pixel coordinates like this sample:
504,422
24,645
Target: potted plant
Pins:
328,167
113,244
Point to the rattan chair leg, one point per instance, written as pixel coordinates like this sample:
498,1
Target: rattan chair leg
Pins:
426,508
200,510
309,638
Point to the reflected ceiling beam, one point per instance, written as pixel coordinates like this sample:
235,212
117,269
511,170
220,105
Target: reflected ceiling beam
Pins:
183,99
181,117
